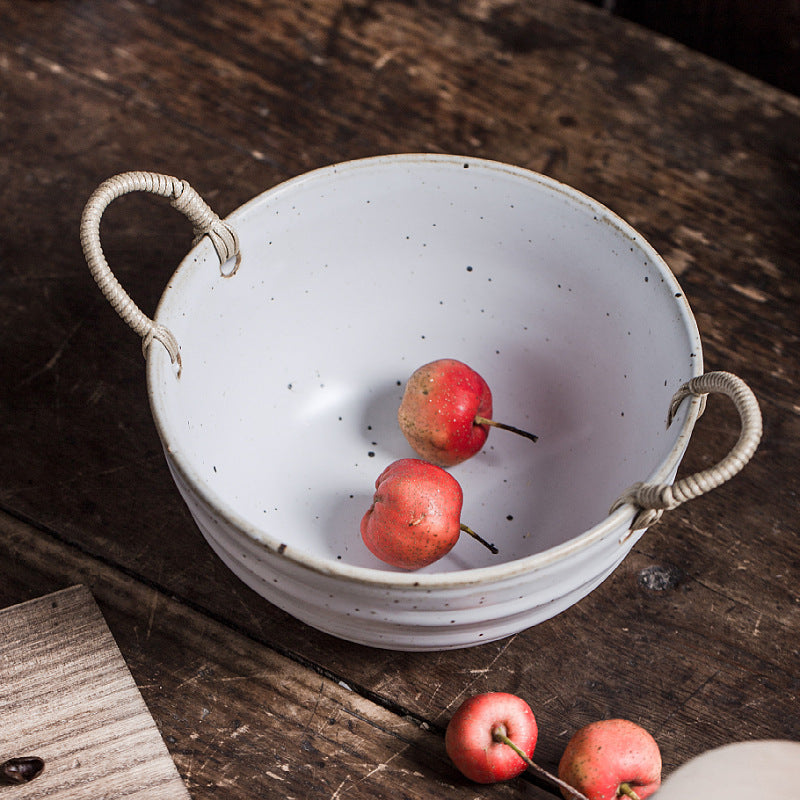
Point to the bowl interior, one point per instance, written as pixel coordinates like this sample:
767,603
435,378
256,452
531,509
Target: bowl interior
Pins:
355,275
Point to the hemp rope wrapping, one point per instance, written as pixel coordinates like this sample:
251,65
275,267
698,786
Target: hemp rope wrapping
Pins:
655,498
186,200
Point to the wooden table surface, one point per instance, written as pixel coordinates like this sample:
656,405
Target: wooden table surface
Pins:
235,97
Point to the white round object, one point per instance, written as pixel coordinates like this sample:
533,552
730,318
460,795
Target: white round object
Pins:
738,771
354,275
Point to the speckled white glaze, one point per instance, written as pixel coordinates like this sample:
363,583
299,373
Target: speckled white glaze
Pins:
354,275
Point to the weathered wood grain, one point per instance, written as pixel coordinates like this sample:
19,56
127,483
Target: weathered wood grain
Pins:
237,716
235,98
69,700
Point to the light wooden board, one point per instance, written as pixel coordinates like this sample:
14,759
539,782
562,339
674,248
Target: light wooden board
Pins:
67,696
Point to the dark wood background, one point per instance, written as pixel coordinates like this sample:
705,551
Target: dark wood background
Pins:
762,39
237,96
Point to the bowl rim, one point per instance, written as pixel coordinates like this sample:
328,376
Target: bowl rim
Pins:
617,521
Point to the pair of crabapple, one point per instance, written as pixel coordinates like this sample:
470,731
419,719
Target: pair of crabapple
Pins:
492,736
415,516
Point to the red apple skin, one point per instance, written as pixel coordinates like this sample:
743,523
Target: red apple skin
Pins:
605,754
415,516
438,410
469,737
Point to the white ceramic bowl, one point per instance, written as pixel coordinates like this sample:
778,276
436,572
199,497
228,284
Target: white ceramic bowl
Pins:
351,277
738,771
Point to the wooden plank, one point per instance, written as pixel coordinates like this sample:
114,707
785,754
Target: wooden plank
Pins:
692,685
238,717
73,364
69,699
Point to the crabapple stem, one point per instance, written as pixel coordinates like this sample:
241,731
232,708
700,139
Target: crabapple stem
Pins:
483,541
479,420
499,734
627,790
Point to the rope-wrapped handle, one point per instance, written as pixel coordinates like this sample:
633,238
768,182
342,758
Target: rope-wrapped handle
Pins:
182,197
653,499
